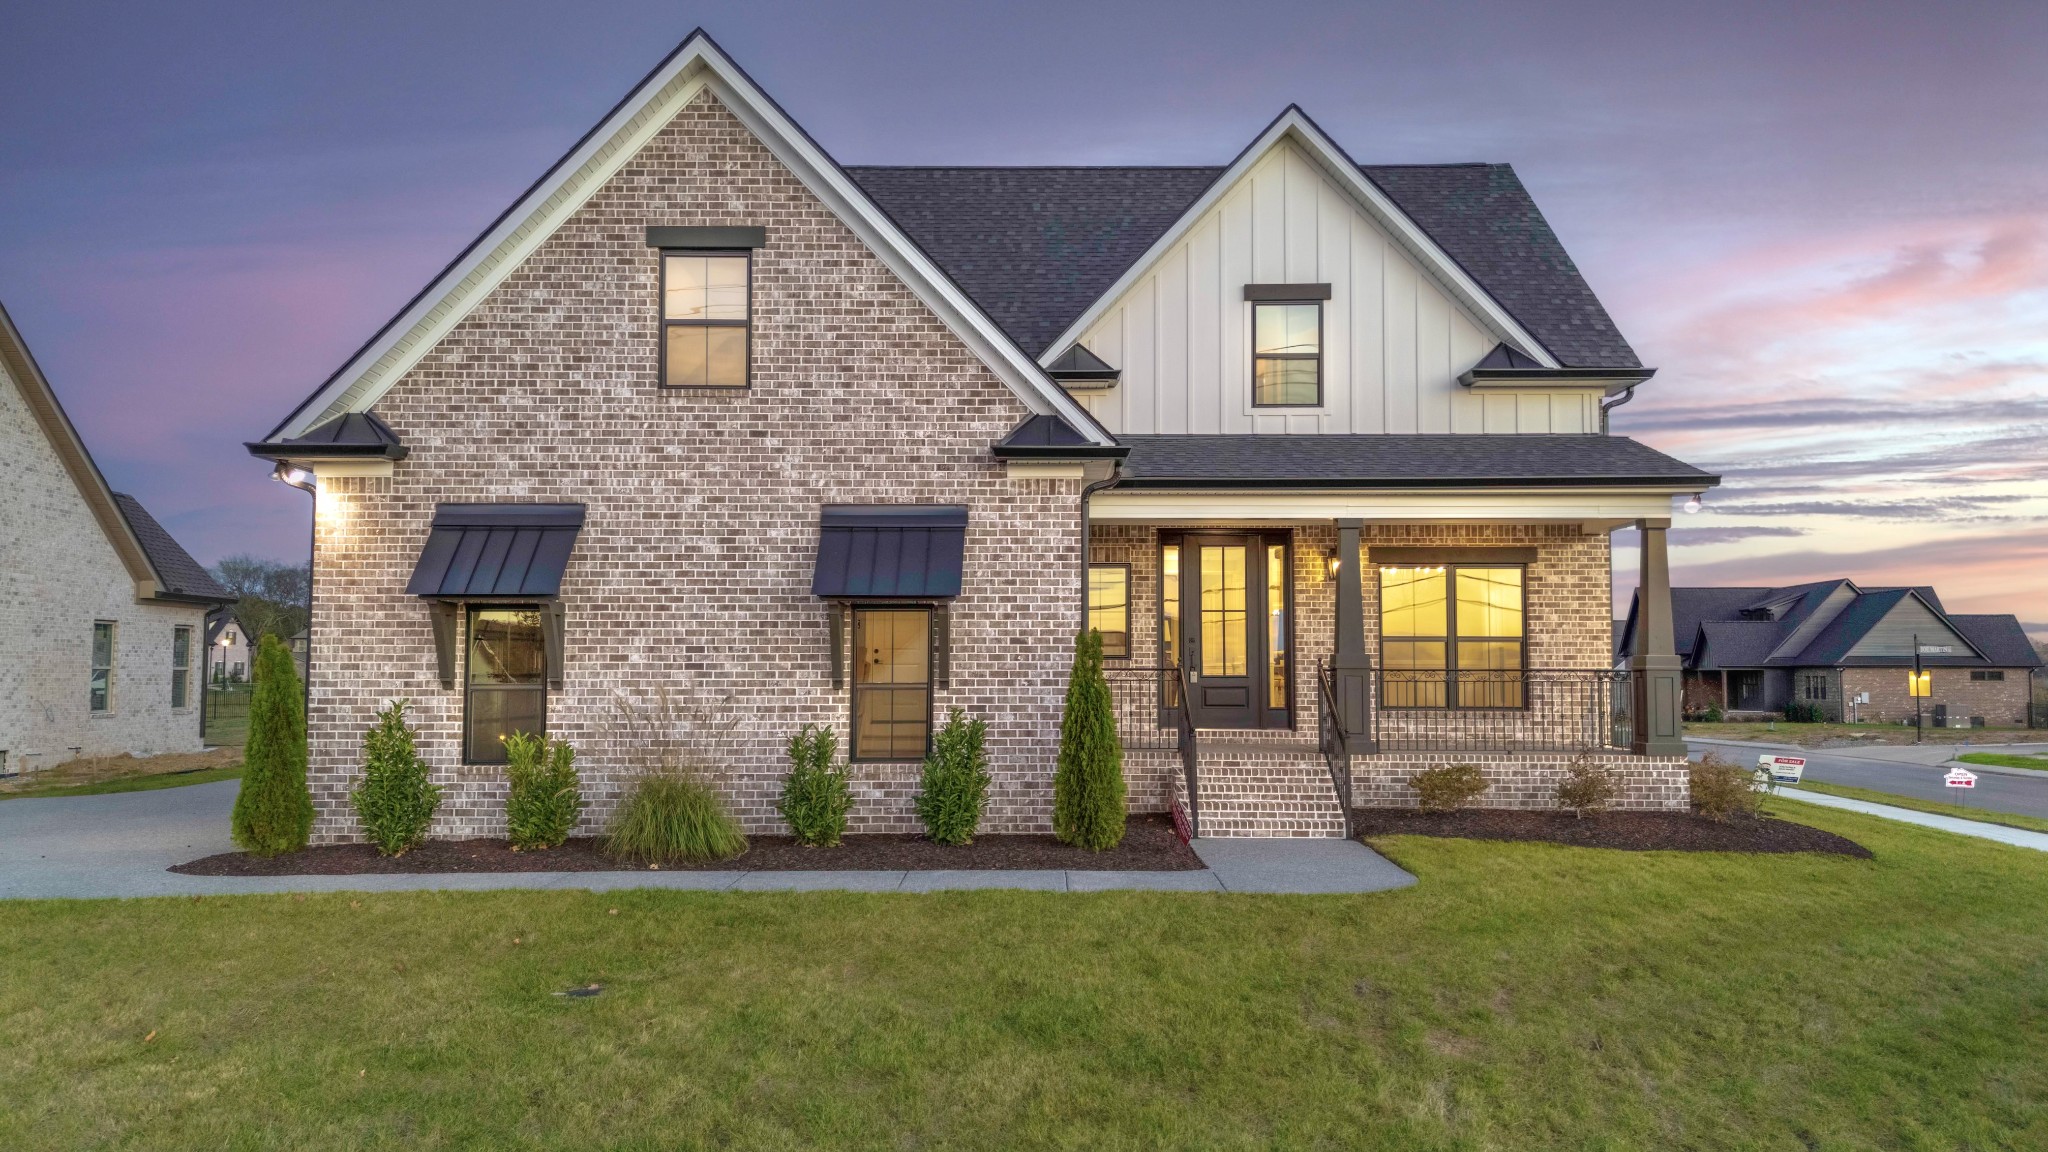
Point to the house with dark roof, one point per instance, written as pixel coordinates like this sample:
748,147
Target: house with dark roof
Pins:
102,614
1848,651
1318,447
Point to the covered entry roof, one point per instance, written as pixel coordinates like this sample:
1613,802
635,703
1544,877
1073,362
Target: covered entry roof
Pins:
890,551
497,550
1399,461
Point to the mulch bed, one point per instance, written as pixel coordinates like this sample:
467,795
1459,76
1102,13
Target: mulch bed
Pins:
1628,831
1149,846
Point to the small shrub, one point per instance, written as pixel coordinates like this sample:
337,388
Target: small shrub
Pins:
1448,787
273,810
1722,791
955,782
395,801
1588,786
673,816
546,793
1714,715
1802,712
1088,784
816,796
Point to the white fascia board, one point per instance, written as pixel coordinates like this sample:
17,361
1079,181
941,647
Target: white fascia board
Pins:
665,92
1407,506
1294,125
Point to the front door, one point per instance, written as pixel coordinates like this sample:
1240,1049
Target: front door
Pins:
1236,592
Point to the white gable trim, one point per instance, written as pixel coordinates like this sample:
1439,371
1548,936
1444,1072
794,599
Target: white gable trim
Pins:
695,65
1295,126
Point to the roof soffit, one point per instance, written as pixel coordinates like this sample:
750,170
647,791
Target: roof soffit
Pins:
694,66
1293,126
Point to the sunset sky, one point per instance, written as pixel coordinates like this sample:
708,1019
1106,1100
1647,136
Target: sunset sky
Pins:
1828,231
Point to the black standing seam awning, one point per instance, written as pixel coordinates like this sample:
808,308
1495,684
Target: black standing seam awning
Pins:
890,551
496,550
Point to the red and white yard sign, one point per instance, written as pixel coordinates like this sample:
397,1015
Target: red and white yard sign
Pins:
1960,778
1782,769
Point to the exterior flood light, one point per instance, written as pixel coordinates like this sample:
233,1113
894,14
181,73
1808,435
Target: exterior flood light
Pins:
299,478
1692,504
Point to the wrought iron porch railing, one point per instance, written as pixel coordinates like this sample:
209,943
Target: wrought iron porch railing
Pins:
1537,710
1152,715
1335,747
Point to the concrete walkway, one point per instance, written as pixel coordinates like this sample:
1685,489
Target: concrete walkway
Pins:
2017,837
120,845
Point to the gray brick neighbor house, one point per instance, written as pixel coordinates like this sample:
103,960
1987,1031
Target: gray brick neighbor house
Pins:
710,426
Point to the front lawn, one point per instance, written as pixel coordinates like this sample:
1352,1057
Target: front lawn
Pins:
101,775
1522,996
1983,815
2005,760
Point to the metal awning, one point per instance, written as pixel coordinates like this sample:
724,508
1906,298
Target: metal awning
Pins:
890,551
496,550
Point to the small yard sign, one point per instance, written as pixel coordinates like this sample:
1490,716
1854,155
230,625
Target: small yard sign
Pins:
1960,778
1782,769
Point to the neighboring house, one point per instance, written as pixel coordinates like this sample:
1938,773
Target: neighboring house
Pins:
229,648
707,418
1848,650
102,615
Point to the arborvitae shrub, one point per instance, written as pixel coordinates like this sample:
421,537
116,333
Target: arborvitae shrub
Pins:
1088,784
955,782
1448,787
817,794
546,793
396,800
274,811
671,816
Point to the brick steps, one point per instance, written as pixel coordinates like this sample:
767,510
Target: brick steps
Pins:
1267,790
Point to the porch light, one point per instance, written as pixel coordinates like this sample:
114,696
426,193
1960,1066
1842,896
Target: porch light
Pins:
297,477
1336,562
1692,503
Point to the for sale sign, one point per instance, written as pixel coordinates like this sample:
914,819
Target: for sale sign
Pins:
1782,769
1960,778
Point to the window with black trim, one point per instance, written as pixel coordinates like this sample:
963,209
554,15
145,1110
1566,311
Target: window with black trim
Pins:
1987,674
1457,625
706,317
181,665
892,683
1109,607
1287,354
506,681
1813,686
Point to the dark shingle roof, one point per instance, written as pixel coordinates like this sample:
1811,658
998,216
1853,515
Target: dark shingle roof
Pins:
1376,461
1035,247
1733,642
1691,607
1739,643
179,573
2000,638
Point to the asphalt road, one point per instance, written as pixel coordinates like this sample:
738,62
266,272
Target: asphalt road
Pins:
2023,795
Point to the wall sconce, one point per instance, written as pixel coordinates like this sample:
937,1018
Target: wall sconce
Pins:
1336,563
1692,504
297,477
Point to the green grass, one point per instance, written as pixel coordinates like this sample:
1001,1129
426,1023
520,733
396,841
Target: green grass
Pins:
2005,760
130,784
2009,819
227,715
1524,996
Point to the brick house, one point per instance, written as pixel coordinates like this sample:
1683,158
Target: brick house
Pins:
1848,650
102,614
710,425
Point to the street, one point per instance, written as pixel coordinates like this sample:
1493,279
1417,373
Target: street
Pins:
1903,770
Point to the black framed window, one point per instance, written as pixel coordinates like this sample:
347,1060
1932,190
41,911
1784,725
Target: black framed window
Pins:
1990,674
181,665
100,694
1452,636
706,318
1109,607
506,681
1814,686
1287,354
892,683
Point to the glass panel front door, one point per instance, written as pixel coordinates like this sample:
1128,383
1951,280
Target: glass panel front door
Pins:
1235,587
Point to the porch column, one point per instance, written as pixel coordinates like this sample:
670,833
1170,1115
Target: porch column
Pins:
1350,666
1654,660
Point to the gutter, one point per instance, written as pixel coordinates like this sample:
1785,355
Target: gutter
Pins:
1607,406
1088,491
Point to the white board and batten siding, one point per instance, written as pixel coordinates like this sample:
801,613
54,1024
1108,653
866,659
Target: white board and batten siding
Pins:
1394,341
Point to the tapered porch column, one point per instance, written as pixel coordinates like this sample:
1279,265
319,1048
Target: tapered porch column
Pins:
1653,662
1350,666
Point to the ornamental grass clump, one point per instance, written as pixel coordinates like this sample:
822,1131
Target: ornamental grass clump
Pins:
546,793
396,800
673,816
273,811
1088,784
1448,787
1588,786
1722,791
817,795
954,786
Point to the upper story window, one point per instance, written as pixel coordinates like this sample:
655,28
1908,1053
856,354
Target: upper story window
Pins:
706,313
1287,354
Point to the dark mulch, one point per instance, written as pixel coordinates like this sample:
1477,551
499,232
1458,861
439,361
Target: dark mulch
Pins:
1149,845
1628,831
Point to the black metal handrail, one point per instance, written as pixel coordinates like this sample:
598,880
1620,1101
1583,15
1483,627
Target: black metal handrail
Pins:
1189,756
1152,715
1330,738
1533,710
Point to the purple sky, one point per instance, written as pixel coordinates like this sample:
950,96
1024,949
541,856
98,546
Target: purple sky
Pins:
1828,230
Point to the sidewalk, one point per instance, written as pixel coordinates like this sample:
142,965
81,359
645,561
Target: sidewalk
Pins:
2017,837
89,847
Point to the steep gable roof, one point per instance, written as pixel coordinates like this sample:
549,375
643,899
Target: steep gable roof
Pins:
158,572
2000,638
695,65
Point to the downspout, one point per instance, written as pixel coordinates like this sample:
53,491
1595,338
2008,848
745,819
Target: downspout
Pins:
1607,406
1087,491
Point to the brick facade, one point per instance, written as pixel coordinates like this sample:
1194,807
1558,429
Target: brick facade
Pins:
692,573
2002,703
